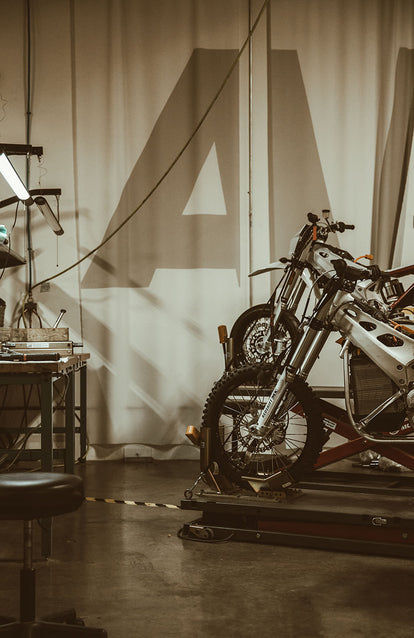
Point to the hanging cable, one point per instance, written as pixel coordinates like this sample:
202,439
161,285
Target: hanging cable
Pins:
175,160
28,132
57,197
250,214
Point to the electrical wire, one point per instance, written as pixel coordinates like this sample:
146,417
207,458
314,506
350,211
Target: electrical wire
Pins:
28,79
28,133
212,541
20,444
175,160
314,285
14,221
20,440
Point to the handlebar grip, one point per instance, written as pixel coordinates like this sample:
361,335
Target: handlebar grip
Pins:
341,226
350,272
375,271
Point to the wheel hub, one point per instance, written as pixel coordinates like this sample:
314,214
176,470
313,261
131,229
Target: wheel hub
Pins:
274,432
257,341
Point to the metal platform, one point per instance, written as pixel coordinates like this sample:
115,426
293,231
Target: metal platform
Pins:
345,508
370,514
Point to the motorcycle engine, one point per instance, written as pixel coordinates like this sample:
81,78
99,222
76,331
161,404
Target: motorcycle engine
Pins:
370,387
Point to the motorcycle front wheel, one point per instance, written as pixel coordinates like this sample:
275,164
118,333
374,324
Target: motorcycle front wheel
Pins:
251,336
292,441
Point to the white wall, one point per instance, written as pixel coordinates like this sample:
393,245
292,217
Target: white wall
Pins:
118,88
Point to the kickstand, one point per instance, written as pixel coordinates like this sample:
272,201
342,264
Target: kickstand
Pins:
203,476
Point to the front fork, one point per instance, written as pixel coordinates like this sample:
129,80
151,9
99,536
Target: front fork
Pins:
306,354
303,358
291,295
289,299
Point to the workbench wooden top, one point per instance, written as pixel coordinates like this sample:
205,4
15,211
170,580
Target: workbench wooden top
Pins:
62,366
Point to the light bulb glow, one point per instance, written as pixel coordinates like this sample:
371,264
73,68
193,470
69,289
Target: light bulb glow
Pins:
12,178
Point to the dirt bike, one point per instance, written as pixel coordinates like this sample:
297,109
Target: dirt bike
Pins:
265,331
264,422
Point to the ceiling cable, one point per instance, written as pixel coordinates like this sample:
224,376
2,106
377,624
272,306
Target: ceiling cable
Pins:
175,160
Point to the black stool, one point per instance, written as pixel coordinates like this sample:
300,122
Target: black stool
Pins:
28,496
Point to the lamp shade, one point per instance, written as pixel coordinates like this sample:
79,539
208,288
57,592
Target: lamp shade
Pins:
48,214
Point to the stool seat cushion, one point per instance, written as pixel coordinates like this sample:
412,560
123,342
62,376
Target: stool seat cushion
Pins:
31,495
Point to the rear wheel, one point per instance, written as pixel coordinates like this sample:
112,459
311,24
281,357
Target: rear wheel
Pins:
252,338
292,441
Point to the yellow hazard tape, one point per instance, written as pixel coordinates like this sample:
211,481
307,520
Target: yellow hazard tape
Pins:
92,499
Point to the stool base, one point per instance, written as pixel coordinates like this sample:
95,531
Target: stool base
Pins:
65,623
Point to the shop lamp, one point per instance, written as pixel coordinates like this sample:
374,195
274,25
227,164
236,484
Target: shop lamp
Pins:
49,215
22,194
14,181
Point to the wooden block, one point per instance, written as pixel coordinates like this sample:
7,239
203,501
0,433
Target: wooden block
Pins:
34,334
193,434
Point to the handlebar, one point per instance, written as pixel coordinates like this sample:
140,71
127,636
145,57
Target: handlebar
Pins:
352,273
342,227
337,226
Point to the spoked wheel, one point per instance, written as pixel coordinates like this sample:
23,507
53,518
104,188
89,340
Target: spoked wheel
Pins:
292,440
251,336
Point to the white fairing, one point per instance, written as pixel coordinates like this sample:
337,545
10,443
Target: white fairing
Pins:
275,265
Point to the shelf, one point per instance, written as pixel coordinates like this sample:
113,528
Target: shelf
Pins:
8,258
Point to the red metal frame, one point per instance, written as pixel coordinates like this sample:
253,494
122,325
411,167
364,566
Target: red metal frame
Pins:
337,418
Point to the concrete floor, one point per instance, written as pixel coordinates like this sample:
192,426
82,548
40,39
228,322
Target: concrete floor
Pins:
124,568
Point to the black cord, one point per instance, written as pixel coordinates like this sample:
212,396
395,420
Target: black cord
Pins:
28,133
14,221
212,541
28,80
175,160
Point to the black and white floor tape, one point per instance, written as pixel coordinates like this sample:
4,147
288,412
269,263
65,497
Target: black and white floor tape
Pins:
92,499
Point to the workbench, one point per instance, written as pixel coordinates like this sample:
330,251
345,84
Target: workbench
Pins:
45,374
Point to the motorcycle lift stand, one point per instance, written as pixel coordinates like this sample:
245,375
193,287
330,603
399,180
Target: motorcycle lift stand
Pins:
354,517
361,512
